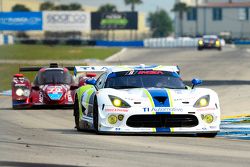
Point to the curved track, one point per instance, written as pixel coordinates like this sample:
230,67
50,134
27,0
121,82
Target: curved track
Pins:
47,137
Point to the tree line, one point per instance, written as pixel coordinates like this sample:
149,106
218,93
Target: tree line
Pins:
160,23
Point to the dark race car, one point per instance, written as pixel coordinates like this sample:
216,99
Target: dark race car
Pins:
53,86
209,42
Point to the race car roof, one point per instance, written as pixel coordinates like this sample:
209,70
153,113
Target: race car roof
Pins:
79,69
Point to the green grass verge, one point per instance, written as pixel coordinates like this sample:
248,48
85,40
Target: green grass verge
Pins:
43,52
58,52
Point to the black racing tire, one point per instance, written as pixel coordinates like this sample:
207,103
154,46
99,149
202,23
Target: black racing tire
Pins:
76,115
199,49
208,135
96,116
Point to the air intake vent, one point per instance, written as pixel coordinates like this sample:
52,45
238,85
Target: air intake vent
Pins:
53,65
160,99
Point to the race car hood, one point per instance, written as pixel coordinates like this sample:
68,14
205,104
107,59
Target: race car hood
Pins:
160,97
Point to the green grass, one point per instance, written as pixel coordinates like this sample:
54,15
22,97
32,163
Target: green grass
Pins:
58,52
43,52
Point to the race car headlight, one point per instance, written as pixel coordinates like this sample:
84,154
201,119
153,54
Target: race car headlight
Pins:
19,92
26,92
202,102
217,43
200,42
118,102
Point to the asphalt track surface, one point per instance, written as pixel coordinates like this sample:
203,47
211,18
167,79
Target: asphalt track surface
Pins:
48,138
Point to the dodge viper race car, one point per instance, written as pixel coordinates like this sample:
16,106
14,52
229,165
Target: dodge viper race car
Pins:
53,86
145,99
209,42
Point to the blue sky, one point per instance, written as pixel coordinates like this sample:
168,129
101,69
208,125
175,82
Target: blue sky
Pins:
147,6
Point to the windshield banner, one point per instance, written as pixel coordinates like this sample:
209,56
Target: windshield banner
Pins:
20,21
66,21
116,20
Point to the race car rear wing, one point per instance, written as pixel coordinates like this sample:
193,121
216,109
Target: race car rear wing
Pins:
81,69
52,65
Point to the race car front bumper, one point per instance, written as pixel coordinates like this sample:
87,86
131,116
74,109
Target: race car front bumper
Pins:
184,121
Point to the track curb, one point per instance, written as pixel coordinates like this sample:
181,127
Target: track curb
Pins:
235,116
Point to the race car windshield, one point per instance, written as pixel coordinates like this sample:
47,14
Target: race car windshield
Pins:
145,81
53,77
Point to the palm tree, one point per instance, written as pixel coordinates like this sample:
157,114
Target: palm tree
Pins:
133,3
107,8
20,8
75,6
181,8
47,6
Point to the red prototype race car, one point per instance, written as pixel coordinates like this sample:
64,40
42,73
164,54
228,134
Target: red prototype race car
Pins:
53,86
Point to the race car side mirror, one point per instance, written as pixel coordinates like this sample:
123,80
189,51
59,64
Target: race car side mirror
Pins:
91,81
196,82
35,87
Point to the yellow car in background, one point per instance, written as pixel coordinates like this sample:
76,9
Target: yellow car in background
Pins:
209,42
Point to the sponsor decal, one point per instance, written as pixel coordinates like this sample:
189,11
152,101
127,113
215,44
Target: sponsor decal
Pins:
114,20
40,97
116,110
69,97
54,89
20,85
66,21
206,109
213,127
14,21
162,109
131,72
150,73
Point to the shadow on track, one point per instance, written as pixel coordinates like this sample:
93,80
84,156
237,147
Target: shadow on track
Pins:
30,164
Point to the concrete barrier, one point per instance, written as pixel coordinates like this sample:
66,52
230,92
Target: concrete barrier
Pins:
170,42
120,43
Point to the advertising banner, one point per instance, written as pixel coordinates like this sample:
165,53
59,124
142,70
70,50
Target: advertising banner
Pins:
116,20
66,21
20,21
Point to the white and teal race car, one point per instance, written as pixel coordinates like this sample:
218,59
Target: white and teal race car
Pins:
144,99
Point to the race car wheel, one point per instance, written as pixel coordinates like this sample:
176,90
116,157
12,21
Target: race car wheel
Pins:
95,116
209,135
76,114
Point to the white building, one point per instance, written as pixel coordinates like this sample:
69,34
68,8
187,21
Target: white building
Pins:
215,17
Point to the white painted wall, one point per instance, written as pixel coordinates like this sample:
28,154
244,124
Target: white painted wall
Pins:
206,25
